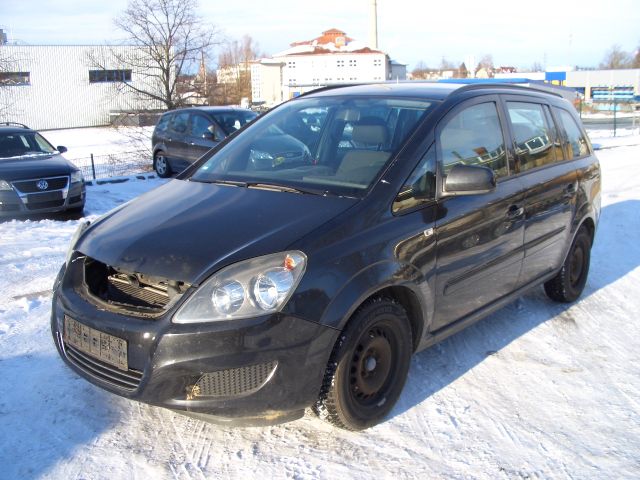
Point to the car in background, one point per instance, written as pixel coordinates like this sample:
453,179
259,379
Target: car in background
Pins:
182,136
34,176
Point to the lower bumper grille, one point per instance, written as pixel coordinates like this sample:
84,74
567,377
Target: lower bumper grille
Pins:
48,204
129,380
235,381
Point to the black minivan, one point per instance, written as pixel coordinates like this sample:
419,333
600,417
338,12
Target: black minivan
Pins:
182,136
284,279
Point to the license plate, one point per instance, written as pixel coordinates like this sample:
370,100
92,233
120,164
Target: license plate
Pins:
105,347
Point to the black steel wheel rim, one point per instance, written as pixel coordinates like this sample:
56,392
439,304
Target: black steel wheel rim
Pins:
576,266
372,366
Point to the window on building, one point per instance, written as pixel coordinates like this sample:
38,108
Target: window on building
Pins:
15,78
352,63
291,64
377,62
473,137
340,63
532,134
109,76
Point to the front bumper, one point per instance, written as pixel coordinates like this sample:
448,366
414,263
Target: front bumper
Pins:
14,202
261,368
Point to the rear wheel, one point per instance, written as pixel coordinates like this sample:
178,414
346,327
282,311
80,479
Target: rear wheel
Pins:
368,366
569,283
161,165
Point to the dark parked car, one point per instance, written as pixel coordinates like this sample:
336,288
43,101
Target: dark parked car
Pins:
277,282
34,176
182,136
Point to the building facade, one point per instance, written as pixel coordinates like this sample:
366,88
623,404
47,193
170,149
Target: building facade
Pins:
333,58
48,87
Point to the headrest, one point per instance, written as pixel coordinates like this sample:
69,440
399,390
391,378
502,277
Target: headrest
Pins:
370,134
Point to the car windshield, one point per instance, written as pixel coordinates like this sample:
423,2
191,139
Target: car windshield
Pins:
330,145
234,120
18,144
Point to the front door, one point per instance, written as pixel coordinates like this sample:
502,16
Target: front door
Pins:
479,237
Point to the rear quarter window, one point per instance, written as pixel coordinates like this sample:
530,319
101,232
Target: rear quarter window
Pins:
163,123
575,143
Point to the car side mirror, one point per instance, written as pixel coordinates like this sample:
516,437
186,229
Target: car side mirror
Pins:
61,149
208,136
468,180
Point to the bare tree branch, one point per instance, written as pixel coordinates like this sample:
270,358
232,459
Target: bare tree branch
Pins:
172,39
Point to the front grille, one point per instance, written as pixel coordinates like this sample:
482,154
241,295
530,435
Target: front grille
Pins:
133,293
129,380
31,186
234,381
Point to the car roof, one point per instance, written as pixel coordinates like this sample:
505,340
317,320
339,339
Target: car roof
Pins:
207,109
421,89
14,129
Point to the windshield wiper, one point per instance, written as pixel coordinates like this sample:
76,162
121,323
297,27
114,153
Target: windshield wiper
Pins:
233,183
285,188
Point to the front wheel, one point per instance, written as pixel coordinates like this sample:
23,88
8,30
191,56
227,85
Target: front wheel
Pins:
368,366
161,165
569,283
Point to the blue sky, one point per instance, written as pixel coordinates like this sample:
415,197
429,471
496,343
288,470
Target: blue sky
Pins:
560,32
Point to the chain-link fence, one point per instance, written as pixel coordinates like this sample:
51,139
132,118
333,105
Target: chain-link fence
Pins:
114,164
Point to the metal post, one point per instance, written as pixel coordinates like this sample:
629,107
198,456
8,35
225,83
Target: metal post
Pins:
615,108
93,167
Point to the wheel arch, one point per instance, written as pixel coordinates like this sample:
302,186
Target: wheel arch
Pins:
398,282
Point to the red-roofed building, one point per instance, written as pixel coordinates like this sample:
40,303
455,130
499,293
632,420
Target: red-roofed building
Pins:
332,58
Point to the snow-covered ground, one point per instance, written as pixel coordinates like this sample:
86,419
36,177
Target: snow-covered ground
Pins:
537,390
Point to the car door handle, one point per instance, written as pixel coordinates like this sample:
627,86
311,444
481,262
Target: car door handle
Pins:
515,211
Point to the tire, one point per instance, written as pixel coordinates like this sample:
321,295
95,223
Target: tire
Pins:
568,284
161,164
368,366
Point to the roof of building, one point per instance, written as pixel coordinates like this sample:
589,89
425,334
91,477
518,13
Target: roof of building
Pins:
331,41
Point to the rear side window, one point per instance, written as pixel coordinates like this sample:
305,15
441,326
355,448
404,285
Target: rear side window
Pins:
575,143
473,137
163,123
532,135
180,122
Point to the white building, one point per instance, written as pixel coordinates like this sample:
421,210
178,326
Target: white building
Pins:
333,58
595,85
48,87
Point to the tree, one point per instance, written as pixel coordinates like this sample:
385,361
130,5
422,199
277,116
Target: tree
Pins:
446,64
486,62
616,58
537,67
636,58
234,73
172,39
421,71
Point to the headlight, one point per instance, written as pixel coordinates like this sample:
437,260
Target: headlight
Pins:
77,177
246,289
4,185
76,236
